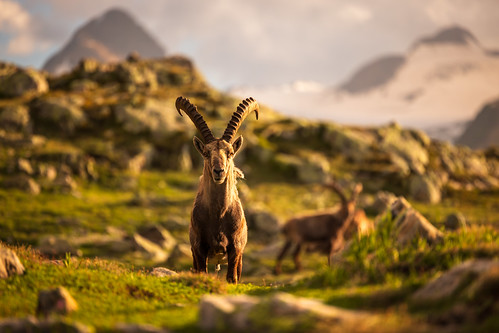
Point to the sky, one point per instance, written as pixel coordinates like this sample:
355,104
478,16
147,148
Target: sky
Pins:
258,42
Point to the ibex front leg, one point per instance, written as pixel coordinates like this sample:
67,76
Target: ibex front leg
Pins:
234,261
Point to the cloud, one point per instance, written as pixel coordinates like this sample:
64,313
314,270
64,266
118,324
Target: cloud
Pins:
16,22
355,13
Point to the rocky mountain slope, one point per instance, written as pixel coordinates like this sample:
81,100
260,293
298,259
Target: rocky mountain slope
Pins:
107,38
441,79
483,131
98,171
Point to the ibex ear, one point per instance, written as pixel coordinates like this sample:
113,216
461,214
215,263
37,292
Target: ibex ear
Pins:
236,145
199,145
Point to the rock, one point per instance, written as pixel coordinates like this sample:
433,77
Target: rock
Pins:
31,324
424,189
162,272
158,235
181,253
15,82
54,246
226,312
138,328
14,117
152,116
176,223
382,201
466,278
245,313
354,145
64,113
455,221
23,165
22,182
312,169
64,180
55,301
150,250
262,224
410,224
404,148
133,75
9,263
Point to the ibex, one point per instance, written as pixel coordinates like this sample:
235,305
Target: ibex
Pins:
218,227
324,231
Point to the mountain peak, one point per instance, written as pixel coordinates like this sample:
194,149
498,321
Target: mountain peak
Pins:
109,37
452,35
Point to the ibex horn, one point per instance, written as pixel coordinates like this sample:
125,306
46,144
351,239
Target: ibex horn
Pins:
184,104
243,110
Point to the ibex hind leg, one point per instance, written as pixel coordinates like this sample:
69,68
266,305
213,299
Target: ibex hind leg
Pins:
199,262
285,249
296,257
240,267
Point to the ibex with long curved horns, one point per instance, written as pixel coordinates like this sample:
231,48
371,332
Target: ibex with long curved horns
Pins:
218,226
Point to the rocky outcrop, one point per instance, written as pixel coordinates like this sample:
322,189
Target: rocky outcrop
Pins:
31,324
483,131
262,224
15,81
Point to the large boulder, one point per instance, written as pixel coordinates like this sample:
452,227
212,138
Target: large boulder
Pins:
9,263
410,224
313,168
15,82
158,235
56,246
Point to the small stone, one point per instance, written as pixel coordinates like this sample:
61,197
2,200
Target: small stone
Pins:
24,166
55,301
455,221
162,272
138,328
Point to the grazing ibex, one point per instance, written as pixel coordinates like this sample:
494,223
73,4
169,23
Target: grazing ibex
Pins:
218,227
324,231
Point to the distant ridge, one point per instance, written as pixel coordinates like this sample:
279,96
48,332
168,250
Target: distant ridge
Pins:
483,131
107,38
380,71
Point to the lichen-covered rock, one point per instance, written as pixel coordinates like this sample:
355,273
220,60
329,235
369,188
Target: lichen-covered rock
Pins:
404,148
313,168
64,112
148,249
22,182
56,246
133,75
9,263
425,189
262,224
354,145
158,235
15,82
382,201
14,117
55,301
156,117
162,272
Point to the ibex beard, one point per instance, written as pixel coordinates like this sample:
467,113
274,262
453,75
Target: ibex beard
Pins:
218,227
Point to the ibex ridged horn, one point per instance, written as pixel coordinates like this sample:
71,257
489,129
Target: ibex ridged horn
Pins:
191,110
243,110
